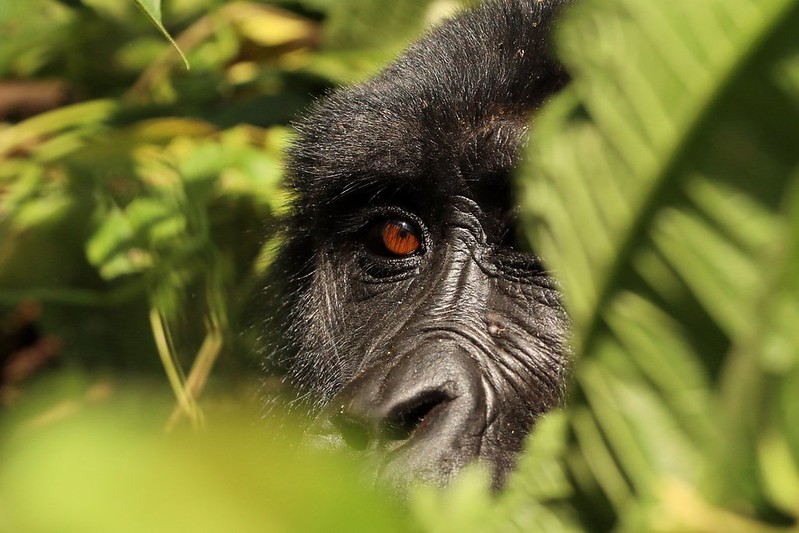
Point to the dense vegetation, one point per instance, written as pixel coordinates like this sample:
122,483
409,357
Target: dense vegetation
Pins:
138,204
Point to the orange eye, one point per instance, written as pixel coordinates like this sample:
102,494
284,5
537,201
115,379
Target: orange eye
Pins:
399,237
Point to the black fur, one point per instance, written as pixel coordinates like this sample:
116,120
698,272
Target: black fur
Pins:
450,354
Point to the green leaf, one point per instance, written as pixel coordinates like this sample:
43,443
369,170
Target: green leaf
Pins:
153,10
651,85
108,469
109,247
360,36
661,184
84,115
352,23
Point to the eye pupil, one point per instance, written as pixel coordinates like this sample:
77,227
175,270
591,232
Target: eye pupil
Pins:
399,238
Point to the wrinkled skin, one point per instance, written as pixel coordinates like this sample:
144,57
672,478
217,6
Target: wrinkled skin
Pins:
427,360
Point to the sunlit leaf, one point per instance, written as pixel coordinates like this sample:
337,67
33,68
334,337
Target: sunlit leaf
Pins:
661,176
111,470
153,10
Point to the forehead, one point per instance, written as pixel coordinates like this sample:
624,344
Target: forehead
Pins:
379,137
451,110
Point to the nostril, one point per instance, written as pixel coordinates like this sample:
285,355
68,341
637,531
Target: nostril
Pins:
355,433
406,418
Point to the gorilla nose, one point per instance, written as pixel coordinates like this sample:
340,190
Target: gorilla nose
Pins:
361,425
422,413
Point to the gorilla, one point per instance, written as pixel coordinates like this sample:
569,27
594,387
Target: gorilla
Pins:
419,330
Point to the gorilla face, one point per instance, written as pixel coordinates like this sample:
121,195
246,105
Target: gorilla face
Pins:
417,329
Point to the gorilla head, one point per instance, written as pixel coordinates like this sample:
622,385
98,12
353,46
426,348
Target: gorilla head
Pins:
416,328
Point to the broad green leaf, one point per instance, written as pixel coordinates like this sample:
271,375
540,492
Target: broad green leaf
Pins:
110,469
360,36
268,26
352,23
780,472
663,177
157,222
109,248
653,80
27,30
153,10
537,494
86,115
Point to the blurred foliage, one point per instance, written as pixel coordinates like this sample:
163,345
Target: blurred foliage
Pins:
111,470
667,200
140,199
139,203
